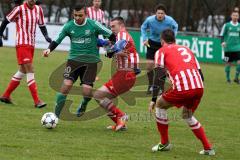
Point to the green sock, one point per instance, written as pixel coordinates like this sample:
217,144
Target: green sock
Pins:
227,70
237,71
60,101
85,101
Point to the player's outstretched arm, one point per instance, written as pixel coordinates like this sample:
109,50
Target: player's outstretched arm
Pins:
2,28
45,33
53,45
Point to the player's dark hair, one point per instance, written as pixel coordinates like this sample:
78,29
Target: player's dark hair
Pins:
119,19
80,7
234,11
168,36
18,2
161,7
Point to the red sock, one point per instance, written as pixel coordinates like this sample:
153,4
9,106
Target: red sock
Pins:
200,134
11,87
162,125
116,111
32,87
14,83
113,117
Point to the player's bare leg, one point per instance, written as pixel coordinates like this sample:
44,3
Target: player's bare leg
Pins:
150,74
104,98
198,131
162,123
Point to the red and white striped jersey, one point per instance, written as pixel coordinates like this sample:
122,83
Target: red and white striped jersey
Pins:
26,20
181,65
97,15
132,59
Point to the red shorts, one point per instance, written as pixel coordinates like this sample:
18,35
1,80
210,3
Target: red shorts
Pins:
24,54
189,99
121,82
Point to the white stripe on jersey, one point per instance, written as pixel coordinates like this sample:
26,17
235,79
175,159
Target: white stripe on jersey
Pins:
97,15
29,26
184,79
124,36
178,83
196,78
26,20
191,78
24,25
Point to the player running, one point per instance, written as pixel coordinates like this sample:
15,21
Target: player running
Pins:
83,55
127,59
187,90
26,17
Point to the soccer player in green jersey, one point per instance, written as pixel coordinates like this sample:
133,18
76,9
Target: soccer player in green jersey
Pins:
83,55
230,35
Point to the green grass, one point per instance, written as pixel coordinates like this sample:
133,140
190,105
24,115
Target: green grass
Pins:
22,137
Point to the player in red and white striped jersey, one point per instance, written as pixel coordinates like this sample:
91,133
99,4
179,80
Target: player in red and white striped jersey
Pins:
26,17
187,90
124,79
96,13
131,60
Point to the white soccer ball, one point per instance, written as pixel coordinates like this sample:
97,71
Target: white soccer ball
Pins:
49,120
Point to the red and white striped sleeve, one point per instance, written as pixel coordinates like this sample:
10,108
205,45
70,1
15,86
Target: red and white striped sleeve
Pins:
123,36
159,59
41,21
11,17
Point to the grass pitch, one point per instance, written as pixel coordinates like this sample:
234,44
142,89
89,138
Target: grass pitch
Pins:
22,137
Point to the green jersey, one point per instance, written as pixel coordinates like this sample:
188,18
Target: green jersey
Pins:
231,35
83,39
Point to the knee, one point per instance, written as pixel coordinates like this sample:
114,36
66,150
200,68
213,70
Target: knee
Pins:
150,66
186,113
67,85
105,103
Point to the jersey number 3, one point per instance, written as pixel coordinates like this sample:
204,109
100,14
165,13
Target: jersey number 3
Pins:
187,56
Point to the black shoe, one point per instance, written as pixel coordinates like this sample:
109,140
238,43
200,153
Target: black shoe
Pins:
229,81
237,81
81,110
6,100
40,104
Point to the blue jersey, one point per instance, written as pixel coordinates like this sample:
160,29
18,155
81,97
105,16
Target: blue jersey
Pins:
156,27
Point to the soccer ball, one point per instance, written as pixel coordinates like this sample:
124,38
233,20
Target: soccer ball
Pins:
49,120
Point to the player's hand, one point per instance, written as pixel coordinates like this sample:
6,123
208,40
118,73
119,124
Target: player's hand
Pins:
1,42
146,43
46,53
224,44
48,39
151,107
